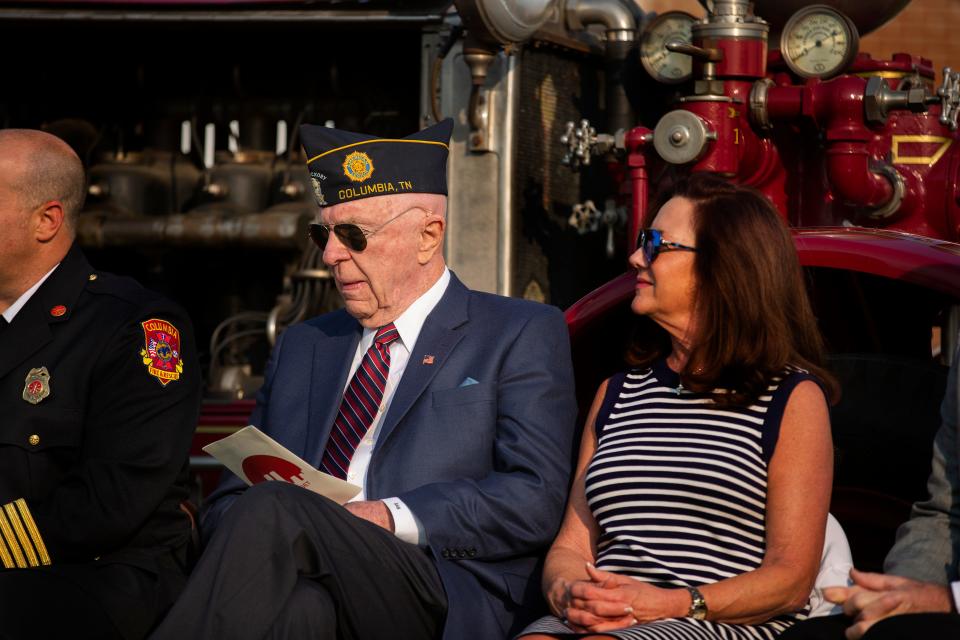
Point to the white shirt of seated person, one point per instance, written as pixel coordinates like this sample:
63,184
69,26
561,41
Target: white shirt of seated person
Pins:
409,324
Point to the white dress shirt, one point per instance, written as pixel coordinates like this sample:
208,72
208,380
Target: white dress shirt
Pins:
409,324
18,304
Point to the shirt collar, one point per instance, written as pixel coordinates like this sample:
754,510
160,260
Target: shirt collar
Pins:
411,321
18,304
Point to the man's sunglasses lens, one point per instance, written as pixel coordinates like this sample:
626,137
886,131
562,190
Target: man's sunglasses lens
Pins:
319,234
349,234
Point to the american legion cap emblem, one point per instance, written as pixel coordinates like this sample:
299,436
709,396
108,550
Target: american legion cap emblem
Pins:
161,351
357,166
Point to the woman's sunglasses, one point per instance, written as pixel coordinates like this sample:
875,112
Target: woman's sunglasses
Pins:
651,242
351,235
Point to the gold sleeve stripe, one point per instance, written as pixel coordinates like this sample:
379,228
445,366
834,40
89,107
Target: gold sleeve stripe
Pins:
375,141
11,541
5,555
33,530
21,534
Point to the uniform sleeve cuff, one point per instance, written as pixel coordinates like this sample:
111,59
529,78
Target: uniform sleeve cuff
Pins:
955,588
405,524
21,544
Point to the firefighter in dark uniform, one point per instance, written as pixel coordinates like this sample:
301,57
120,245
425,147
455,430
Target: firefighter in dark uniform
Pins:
99,397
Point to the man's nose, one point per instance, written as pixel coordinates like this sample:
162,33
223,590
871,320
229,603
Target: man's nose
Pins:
335,251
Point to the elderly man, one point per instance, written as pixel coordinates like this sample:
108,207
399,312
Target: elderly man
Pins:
452,409
923,568
99,392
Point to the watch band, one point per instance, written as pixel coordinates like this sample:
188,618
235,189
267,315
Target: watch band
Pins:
698,606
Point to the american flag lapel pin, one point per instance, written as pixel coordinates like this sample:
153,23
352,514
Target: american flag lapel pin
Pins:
428,359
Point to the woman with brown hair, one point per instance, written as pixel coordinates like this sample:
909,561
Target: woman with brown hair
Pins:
701,492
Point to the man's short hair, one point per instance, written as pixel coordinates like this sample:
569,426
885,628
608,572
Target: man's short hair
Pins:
50,170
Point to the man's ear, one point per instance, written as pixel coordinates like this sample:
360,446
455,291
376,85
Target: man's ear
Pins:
431,238
47,220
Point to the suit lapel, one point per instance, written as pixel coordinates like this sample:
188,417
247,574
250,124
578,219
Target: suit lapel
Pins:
438,338
332,357
30,329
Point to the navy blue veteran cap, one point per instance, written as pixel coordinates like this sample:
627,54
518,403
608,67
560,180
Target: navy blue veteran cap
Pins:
346,166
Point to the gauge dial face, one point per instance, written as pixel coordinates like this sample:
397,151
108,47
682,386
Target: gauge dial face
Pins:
818,42
663,65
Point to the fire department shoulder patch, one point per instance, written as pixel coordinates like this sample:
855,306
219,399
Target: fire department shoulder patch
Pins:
161,351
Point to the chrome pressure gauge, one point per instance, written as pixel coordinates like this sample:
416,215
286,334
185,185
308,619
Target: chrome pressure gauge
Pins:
818,42
667,66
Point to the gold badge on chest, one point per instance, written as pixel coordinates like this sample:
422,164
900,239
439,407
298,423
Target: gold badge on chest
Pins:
37,385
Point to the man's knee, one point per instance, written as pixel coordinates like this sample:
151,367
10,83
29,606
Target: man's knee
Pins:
310,612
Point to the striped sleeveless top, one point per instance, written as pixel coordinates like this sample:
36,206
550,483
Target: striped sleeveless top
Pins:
678,487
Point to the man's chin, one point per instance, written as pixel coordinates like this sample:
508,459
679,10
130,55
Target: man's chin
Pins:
362,312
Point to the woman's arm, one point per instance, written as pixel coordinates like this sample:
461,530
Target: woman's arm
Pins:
799,479
575,544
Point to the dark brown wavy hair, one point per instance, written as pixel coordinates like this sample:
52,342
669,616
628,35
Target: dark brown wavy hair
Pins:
753,315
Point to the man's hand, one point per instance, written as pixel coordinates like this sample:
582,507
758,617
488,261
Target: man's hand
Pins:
373,511
875,596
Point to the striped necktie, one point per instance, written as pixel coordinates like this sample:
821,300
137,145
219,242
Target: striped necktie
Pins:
360,404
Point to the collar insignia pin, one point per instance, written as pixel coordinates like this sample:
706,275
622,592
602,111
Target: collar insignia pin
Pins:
37,385
428,359
58,311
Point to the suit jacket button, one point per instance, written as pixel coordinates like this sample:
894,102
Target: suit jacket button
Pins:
34,440
461,553
445,553
472,553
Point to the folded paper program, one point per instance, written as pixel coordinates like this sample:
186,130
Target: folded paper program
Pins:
256,457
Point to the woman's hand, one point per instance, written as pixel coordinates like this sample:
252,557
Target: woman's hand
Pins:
611,601
558,597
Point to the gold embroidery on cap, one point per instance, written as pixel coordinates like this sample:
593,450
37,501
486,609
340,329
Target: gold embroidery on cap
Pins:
375,141
357,166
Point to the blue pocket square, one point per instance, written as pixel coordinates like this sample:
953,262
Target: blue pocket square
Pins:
468,381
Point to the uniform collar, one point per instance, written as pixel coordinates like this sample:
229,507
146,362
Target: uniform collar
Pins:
12,310
52,303
61,289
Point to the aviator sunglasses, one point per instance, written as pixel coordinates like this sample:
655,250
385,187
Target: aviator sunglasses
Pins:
651,242
352,236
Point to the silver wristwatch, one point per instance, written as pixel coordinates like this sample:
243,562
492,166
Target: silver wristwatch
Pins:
698,606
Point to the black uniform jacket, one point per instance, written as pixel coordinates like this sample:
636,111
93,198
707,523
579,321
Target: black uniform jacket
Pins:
99,398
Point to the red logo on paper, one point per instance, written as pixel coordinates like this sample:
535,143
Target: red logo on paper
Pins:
161,351
261,468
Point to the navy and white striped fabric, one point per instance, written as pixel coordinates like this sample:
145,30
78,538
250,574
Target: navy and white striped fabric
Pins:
678,487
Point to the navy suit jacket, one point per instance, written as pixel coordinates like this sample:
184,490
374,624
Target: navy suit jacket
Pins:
484,467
